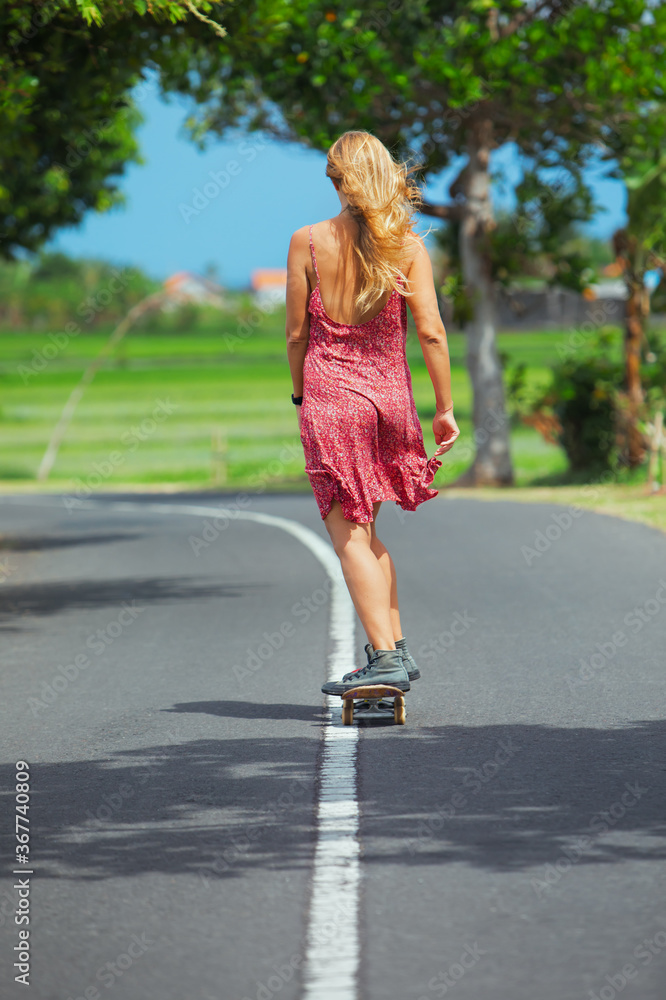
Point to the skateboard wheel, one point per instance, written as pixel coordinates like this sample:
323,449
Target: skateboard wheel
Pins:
399,711
347,712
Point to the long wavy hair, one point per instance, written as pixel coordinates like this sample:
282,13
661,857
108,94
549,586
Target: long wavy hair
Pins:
383,198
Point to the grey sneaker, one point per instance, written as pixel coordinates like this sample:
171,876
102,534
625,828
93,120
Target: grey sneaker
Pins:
408,660
385,666
356,673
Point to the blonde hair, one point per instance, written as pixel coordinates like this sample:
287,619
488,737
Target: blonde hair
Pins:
382,199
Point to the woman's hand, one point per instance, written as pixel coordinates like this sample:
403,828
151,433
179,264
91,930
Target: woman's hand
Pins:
445,429
300,419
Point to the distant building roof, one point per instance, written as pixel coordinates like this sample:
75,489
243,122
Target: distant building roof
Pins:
613,270
269,277
609,290
184,286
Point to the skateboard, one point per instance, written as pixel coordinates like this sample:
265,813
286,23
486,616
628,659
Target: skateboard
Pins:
373,701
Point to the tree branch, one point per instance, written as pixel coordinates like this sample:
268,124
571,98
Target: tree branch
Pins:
217,28
524,17
448,212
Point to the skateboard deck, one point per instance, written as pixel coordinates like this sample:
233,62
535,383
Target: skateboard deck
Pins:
373,701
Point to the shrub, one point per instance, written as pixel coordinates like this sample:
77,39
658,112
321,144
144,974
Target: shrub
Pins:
581,406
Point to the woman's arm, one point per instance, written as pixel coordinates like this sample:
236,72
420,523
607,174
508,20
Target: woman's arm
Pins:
298,317
432,337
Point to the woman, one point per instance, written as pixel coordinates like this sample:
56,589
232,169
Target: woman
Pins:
348,281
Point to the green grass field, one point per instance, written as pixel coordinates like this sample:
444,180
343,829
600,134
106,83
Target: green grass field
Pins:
230,383
210,409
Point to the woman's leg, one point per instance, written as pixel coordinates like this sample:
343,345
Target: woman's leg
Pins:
384,559
365,577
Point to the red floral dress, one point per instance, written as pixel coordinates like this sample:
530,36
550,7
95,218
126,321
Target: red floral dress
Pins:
360,430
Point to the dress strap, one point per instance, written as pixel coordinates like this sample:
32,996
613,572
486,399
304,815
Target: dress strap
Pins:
314,256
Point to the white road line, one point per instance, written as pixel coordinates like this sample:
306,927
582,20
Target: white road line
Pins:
332,954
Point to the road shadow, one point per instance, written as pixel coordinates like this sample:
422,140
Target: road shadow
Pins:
210,808
251,710
39,543
43,599
514,796
216,808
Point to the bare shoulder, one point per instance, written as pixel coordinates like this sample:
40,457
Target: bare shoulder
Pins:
414,246
300,240
416,253
324,236
326,233
303,234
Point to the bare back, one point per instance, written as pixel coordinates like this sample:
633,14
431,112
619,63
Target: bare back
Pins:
340,283
340,271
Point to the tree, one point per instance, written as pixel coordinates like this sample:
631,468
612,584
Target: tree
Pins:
440,79
640,246
67,119
539,238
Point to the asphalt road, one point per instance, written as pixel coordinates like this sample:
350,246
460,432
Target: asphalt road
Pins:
513,833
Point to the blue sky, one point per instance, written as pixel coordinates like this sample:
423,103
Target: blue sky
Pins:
244,214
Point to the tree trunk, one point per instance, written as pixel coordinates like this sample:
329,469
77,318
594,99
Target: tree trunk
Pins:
492,462
633,339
